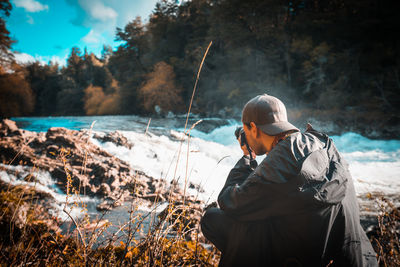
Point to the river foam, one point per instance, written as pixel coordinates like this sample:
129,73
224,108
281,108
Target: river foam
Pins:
207,160
45,184
374,164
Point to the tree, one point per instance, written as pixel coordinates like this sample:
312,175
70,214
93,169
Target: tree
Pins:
160,90
45,81
5,40
99,103
321,54
75,67
106,53
135,42
16,97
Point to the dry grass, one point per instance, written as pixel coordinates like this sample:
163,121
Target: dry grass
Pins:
29,235
385,236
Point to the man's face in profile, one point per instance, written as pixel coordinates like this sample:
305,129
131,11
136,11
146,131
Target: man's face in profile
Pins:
254,140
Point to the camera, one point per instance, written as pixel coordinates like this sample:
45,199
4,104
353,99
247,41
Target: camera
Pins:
240,132
243,141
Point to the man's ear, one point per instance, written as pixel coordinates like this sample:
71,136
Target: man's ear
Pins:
254,129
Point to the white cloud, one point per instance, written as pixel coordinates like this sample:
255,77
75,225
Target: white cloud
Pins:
31,5
93,13
93,37
98,10
24,58
106,15
62,61
103,16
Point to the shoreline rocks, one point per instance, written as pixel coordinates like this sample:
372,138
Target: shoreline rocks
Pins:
114,137
79,166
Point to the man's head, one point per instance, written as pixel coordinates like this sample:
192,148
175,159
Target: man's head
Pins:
264,119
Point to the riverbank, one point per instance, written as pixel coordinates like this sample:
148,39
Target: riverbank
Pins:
30,235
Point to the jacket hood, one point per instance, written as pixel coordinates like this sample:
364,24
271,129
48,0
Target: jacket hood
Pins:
324,176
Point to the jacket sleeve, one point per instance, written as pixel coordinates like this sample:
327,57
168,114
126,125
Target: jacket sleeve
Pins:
243,168
253,195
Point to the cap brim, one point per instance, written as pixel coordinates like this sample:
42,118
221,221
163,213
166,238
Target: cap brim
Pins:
277,127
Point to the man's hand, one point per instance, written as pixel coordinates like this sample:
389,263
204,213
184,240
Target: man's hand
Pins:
244,149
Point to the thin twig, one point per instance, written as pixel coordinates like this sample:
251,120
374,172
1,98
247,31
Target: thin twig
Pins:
76,225
147,128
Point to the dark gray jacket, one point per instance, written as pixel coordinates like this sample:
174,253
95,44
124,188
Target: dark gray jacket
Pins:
297,208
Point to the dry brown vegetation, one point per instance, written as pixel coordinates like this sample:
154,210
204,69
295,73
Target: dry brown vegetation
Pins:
97,102
16,95
385,236
160,89
29,235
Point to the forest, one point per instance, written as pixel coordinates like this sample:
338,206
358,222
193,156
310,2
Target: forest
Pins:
339,59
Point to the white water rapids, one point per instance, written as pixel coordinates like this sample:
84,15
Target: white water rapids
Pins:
209,156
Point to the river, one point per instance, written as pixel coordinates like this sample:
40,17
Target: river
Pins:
213,150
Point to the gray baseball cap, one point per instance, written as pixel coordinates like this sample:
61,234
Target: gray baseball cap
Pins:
268,113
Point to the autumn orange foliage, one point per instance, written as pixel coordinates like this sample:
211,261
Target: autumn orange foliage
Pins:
160,89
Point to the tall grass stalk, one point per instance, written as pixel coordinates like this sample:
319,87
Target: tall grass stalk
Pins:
191,102
187,159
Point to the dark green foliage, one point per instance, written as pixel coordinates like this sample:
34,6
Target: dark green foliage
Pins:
5,40
62,91
321,55
16,97
45,82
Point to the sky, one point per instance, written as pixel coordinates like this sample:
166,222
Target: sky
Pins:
46,30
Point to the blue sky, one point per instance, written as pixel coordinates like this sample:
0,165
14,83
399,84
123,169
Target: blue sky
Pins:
47,29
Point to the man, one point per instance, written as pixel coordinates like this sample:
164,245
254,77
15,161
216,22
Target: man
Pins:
297,208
